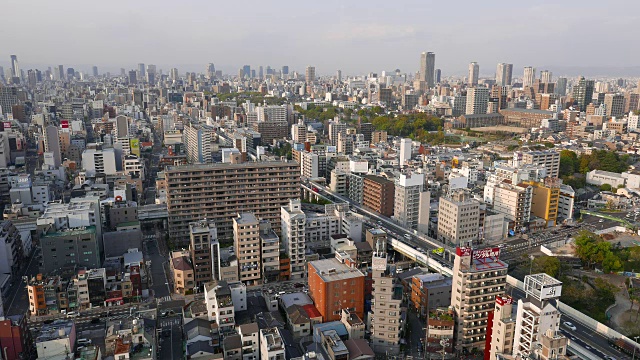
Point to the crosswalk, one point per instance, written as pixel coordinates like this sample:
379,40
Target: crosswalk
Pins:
164,298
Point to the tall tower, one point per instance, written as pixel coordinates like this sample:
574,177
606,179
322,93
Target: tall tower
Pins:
310,75
477,100
437,76
94,71
211,71
545,76
427,68
503,74
141,72
15,67
474,70
583,92
339,75
529,76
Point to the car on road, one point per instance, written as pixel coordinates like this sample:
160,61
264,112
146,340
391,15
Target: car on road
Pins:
72,314
569,325
607,357
83,341
601,220
407,236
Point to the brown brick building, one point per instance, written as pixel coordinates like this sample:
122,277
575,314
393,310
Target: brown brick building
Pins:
378,194
333,286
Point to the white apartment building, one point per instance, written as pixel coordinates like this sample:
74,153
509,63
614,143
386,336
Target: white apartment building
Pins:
477,100
503,327
632,122
131,165
386,314
404,155
409,199
220,309
247,247
478,277
292,228
309,167
250,339
99,161
337,219
271,344
538,316
338,183
566,202
458,219
514,201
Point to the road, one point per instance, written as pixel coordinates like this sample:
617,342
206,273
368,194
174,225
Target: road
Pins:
159,280
583,335
170,337
17,302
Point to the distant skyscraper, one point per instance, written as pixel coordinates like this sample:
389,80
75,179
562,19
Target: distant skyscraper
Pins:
583,93
60,72
474,70
339,75
141,72
253,74
95,71
211,71
504,73
71,73
529,76
123,72
15,67
31,77
310,75
1,72
133,79
545,76
151,74
438,76
561,86
246,71
261,72
427,67
174,74
285,70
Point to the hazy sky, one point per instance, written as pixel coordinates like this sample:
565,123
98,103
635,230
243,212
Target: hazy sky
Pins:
355,36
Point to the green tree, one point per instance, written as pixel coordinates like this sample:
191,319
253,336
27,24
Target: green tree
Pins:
546,264
605,187
612,263
568,163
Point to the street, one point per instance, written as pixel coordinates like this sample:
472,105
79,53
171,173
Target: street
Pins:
159,264
17,302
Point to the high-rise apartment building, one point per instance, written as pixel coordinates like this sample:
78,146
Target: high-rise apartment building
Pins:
437,76
478,277
96,161
502,327
200,141
411,202
378,194
386,311
504,73
550,159
141,71
474,72
458,219
52,143
427,68
205,251
219,191
528,77
583,93
515,202
561,86
310,75
477,100
269,252
293,221
335,285
174,75
246,237
614,105
545,199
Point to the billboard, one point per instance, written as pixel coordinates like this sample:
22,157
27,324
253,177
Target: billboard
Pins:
6,125
551,292
135,147
504,300
64,124
485,253
463,251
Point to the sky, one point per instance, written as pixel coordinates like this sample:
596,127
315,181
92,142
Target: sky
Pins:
357,37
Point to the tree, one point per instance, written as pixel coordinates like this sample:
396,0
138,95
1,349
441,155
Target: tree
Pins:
605,187
546,264
568,163
611,263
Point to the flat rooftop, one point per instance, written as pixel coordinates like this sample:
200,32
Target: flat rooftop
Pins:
333,270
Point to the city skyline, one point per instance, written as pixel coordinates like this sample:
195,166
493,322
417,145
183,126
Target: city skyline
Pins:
379,37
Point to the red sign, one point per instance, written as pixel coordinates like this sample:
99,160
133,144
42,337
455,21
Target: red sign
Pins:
463,251
6,125
504,300
64,124
485,253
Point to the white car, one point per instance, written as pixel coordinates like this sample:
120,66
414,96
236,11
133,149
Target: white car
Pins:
84,342
569,325
407,236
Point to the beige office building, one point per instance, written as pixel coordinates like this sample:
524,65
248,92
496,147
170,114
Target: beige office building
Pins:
458,219
550,159
246,236
478,277
386,321
218,192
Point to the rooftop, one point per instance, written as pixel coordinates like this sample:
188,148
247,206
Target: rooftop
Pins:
73,231
181,263
56,330
246,218
215,166
332,270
